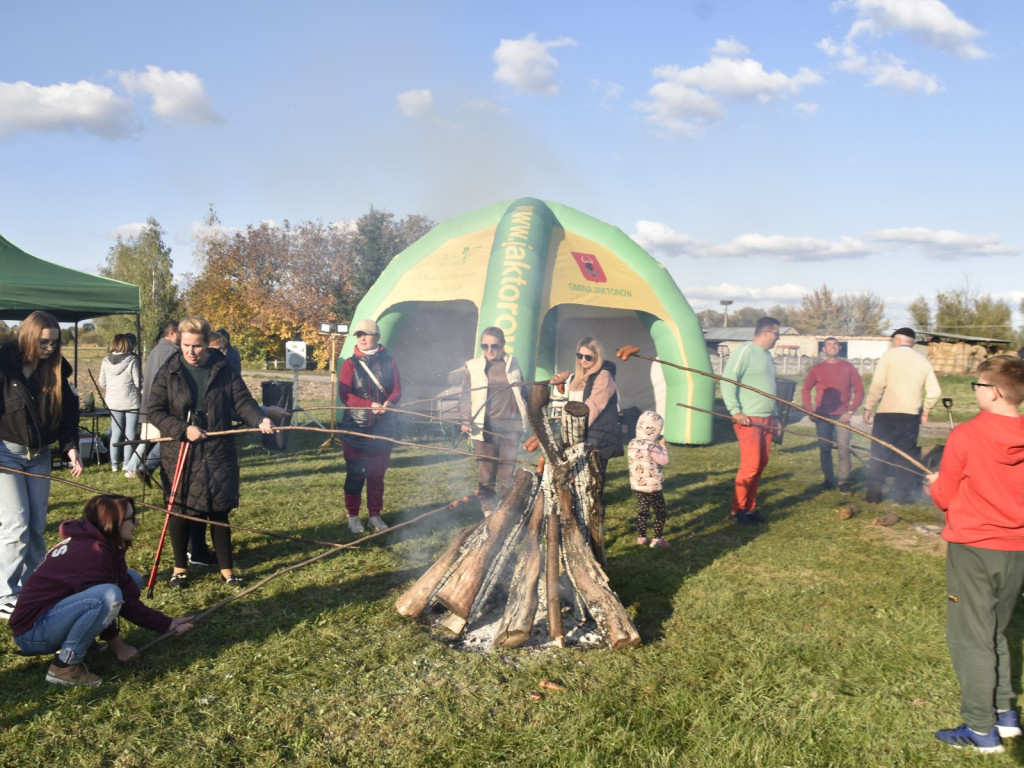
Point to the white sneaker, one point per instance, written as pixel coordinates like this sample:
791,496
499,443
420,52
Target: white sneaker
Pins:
7,607
354,525
377,524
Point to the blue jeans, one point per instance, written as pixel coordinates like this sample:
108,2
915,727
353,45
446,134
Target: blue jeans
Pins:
72,624
123,426
23,507
134,463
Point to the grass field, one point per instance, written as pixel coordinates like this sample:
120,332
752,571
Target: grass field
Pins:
807,642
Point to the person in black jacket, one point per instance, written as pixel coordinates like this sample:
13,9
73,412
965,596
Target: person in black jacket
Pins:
37,407
593,384
194,393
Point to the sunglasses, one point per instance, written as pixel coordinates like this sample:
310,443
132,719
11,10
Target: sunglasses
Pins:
976,384
581,356
491,347
48,343
360,334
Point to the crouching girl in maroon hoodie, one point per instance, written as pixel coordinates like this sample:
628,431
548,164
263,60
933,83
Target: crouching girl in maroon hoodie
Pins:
80,588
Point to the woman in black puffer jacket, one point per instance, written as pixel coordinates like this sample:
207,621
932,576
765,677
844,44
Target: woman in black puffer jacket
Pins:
593,384
209,481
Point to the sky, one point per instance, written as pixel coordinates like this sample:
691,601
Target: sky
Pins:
759,150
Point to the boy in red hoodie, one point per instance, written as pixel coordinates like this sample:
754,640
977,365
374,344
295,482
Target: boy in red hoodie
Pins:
980,487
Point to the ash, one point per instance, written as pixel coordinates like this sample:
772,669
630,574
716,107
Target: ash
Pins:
478,637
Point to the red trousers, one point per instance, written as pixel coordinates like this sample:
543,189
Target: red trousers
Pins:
755,443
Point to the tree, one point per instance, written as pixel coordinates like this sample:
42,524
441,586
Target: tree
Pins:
269,284
145,261
920,314
823,313
863,314
377,238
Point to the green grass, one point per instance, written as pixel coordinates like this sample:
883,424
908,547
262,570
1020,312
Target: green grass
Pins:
809,642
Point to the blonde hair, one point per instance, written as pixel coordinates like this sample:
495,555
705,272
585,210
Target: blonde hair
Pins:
47,371
195,324
120,345
579,379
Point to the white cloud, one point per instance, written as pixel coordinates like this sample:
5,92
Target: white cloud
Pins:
657,238
880,68
178,96
681,110
127,231
608,91
805,108
730,47
943,244
710,295
928,20
527,64
686,100
416,103
786,248
739,79
80,106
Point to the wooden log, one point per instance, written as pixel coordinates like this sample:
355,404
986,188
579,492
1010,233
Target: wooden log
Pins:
458,592
591,584
575,416
416,598
540,396
496,574
517,621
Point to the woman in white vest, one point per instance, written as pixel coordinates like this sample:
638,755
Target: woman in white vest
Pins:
493,412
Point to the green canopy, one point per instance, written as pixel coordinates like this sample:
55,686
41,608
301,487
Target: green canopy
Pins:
28,283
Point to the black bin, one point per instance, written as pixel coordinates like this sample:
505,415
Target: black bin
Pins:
277,393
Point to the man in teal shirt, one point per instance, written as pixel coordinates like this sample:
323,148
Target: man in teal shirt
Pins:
753,415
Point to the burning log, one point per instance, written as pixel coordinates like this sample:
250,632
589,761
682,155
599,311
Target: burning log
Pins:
552,520
521,608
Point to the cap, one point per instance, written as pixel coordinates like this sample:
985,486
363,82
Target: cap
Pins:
904,331
366,326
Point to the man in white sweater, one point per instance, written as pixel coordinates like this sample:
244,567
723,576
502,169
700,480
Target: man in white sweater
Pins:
900,409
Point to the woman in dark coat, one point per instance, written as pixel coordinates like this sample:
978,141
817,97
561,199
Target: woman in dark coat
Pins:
209,481
593,384
37,407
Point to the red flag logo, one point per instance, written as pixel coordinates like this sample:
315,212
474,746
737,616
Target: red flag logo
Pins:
590,267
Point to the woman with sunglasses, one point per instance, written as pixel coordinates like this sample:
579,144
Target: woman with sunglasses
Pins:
493,412
593,383
80,588
37,407
368,383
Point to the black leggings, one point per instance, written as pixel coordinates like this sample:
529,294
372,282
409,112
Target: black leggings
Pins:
221,535
644,502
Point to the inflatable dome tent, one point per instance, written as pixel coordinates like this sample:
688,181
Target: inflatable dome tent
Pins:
547,275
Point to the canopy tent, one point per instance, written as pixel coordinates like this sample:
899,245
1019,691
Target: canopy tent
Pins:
28,283
547,275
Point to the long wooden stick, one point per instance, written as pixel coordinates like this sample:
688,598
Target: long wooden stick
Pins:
853,450
351,545
626,352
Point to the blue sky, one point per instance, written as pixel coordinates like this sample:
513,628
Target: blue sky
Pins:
757,149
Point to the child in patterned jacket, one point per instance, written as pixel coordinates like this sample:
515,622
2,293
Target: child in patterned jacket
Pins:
647,454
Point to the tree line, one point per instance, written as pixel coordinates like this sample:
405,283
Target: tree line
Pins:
268,284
